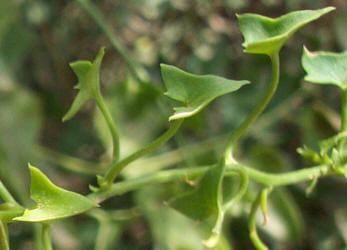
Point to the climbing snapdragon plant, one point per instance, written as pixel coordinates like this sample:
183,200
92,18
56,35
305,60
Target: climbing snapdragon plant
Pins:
210,199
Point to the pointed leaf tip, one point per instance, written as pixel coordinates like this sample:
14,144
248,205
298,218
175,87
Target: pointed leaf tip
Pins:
264,35
52,202
194,91
88,75
325,67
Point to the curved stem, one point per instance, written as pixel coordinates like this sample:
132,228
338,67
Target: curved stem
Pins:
111,125
242,190
6,195
256,111
97,16
46,236
164,176
252,221
115,169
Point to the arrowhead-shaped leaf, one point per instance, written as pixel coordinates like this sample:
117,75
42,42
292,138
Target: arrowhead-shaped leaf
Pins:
193,90
88,75
52,202
264,35
205,200
325,67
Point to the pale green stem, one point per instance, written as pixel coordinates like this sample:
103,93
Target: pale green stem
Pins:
165,176
4,242
242,190
171,157
111,125
344,111
252,221
68,162
257,110
115,169
6,195
98,18
46,236
343,116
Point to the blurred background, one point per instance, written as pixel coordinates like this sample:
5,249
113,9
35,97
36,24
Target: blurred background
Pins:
38,39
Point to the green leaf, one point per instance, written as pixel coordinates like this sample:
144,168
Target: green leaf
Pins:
328,144
205,200
325,67
193,90
264,35
52,202
88,75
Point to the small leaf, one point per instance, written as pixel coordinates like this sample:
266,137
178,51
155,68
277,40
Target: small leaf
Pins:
264,35
88,75
309,154
193,90
52,202
325,67
204,201
328,144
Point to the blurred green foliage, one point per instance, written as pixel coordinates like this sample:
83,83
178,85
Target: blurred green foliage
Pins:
39,38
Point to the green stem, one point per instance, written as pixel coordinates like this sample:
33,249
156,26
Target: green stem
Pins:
111,125
252,221
343,116
242,190
98,18
165,176
257,110
344,111
4,245
46,236
6,195
68,162
116,168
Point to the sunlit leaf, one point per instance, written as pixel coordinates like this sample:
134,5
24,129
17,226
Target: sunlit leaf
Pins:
193,90
325,67
88,75
9,210
264,35
52,202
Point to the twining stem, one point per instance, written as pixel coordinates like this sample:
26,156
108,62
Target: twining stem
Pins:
136,70
257,110
165,176
242,190
4,245
6,195
46,236
115,169
252,221
111,125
